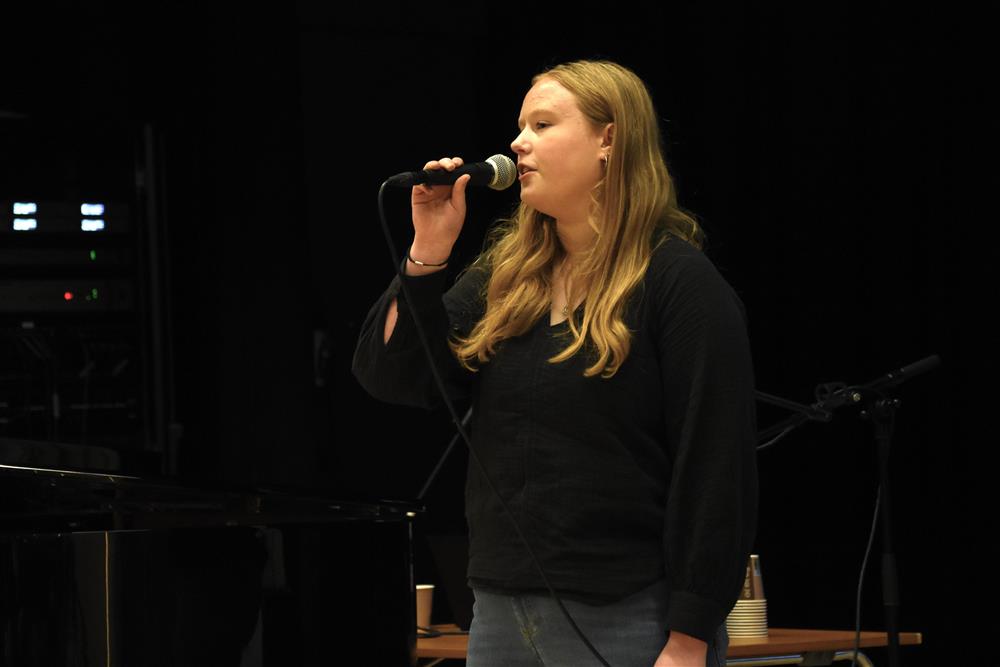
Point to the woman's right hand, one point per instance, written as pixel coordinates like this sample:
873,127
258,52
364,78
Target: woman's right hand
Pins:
438,214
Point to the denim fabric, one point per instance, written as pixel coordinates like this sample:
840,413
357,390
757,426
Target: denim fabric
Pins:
531,631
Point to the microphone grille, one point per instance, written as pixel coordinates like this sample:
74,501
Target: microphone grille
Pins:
505,172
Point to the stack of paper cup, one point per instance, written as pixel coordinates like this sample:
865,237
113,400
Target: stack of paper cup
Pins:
749,617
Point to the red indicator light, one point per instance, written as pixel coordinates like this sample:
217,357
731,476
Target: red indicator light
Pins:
68,296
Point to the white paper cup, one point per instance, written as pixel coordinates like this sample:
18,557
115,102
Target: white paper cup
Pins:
425,599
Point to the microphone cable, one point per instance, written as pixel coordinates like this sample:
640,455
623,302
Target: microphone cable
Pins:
398,268
861,580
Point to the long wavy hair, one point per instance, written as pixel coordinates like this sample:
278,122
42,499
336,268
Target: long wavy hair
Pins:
634,208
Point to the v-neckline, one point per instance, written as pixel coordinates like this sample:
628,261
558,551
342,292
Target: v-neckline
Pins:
562,321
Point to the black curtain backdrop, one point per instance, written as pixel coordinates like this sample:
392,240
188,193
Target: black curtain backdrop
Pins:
830,152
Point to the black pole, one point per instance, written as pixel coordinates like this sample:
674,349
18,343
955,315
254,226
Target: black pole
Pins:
882,412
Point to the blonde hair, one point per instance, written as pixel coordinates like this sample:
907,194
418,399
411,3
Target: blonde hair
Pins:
634,204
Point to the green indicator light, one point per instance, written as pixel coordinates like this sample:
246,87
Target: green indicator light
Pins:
93,255
93,293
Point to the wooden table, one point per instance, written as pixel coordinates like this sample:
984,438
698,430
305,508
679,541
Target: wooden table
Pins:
782,646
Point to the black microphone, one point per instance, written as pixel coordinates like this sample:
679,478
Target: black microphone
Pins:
498,172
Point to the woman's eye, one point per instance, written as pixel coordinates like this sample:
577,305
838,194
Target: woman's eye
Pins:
540,124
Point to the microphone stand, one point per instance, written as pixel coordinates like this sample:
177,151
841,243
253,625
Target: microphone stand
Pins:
880,409
447,452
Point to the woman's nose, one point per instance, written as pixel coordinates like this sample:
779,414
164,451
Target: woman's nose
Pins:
518,145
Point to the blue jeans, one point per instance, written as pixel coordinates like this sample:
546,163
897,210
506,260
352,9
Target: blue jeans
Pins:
531,631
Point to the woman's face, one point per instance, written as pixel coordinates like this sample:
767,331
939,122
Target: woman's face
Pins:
558,152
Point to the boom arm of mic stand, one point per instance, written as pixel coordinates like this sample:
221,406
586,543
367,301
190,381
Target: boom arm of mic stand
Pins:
805,413
808,411
905,373
823,410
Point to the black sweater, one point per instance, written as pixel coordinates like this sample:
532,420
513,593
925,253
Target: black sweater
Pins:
615,482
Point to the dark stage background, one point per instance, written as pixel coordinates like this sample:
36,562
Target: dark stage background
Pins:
828,150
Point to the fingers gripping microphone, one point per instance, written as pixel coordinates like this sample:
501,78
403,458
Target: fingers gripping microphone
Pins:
498,172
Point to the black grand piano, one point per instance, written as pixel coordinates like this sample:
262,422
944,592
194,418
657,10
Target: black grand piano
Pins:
100,569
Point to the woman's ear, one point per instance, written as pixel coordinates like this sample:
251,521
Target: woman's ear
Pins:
608,135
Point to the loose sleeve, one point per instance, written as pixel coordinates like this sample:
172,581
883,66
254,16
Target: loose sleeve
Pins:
710,419
397,371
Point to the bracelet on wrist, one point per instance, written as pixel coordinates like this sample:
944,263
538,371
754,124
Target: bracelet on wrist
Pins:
419,263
